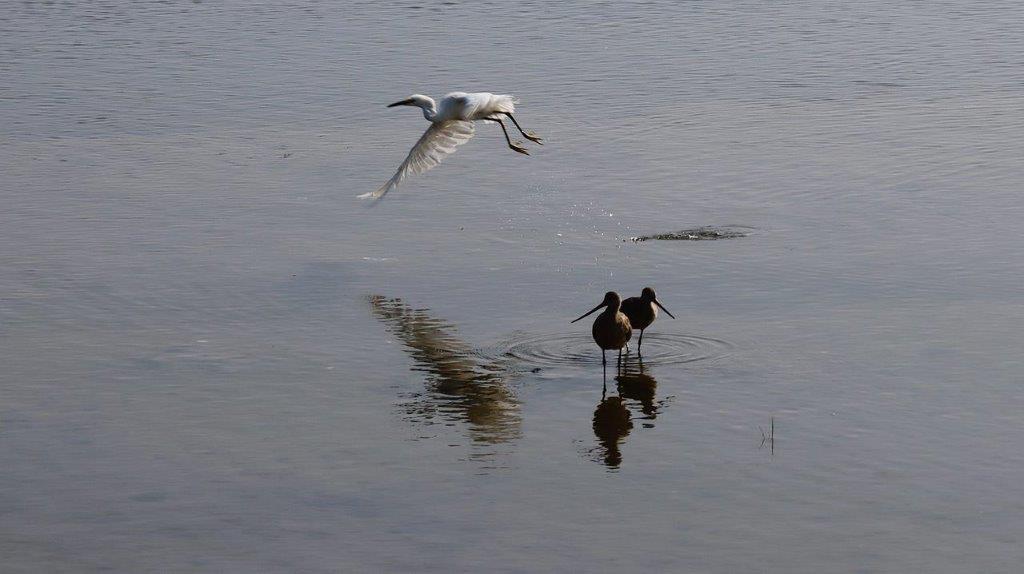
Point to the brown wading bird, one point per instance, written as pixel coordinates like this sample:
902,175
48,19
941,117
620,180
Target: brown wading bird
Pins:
611,328
642,311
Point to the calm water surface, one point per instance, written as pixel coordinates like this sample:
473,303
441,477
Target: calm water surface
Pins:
216,359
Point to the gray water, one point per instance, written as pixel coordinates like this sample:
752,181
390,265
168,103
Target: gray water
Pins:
214,358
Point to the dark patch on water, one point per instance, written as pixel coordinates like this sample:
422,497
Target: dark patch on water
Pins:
695,234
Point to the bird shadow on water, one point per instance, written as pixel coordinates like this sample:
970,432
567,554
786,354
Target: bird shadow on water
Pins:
636,399
460,388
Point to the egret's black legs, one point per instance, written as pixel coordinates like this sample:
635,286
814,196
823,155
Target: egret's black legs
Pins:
528,135
513,146
639,343
604,360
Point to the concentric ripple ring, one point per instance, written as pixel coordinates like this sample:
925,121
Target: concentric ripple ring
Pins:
579,349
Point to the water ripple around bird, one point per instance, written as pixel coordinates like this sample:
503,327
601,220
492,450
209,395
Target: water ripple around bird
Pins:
560,349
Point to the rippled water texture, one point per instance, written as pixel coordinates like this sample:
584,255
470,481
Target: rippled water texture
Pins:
579,349
215,359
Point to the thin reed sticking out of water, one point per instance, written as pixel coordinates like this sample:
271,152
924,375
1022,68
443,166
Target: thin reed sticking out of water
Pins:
768,437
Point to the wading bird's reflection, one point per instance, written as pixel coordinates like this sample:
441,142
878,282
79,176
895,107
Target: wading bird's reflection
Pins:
459,388
634,384
612,423
612,418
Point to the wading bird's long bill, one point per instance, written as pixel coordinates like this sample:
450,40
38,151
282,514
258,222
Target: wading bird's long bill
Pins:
658,303
591,311
405,102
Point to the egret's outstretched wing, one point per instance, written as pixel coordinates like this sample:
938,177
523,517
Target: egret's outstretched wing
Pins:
439,141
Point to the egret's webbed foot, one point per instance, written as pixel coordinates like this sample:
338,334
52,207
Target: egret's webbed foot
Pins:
528,135
518,146
514,146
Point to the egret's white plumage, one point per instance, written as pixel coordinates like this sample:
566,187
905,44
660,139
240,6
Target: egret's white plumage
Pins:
451,126
435,144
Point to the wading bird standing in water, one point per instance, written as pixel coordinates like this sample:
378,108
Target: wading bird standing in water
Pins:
611,328
642,311
451,125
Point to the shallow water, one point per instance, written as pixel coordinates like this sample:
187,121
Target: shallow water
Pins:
216,359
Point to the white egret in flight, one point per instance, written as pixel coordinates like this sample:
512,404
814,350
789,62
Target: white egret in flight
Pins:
451,125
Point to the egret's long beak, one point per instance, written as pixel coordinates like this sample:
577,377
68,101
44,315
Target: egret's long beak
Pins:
405,102
588,312
658,303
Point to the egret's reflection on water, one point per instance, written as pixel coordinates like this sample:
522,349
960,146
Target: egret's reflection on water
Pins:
460,388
